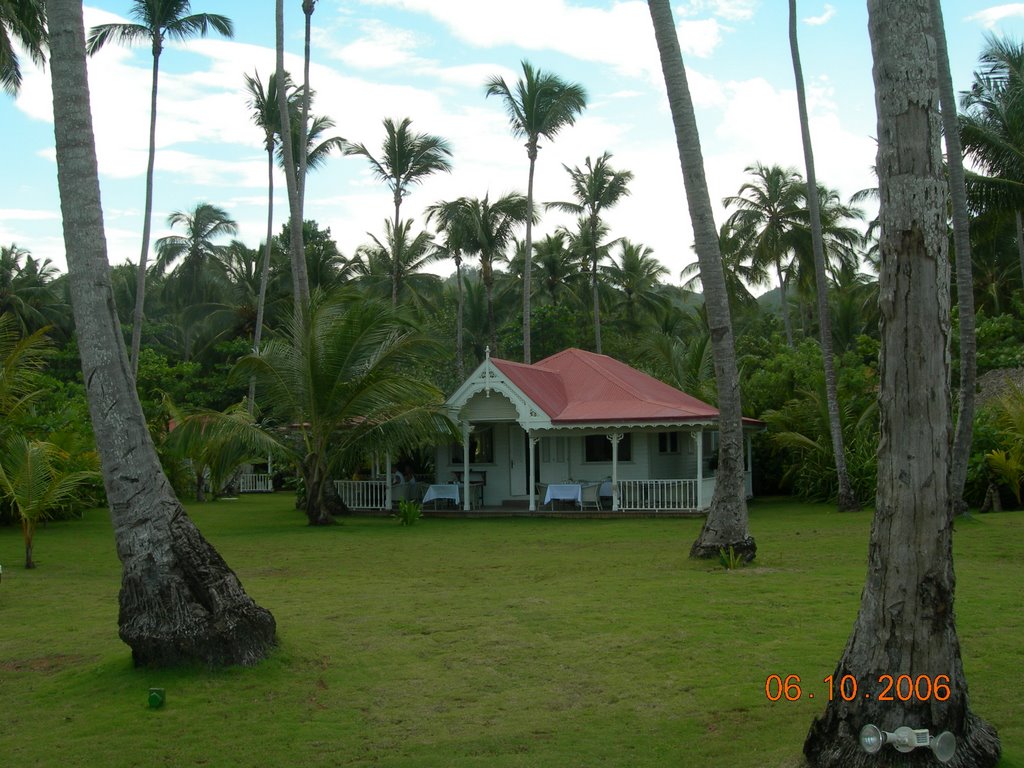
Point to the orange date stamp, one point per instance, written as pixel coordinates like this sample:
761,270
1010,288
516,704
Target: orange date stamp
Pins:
846,688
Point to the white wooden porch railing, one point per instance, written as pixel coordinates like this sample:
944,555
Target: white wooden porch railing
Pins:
253,483
658,494
362,494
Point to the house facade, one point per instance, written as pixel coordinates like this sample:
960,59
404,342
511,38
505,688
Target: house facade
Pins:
581,419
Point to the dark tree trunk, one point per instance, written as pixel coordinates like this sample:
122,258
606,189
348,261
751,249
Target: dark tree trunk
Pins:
459,357
595,296
726,524
906,624
317,505
964,272
179,601
28,530
846,501
531,151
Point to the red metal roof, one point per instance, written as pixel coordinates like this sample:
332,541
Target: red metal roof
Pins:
579,386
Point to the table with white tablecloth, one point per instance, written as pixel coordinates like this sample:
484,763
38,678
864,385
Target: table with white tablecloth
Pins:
447,491
564,492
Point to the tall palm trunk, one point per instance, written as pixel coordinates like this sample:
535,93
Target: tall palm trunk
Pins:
964,271
179,601
261,302
308,6
906,623
726,523
531,151
459,361
147,216
395,255
847,501
28,532
296,249
593,284
787,323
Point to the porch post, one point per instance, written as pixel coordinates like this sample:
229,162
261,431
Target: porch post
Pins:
531,465
700,467
465,466
388,498
615,437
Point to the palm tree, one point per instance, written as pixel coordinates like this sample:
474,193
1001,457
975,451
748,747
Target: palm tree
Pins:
454,226
726,523
992,132
739,271
34,482
23,21
318,148
344,387
156,22
406,159
847,500
596,188
560,271
265,113
296,250
490,229
404,254
768,211
196,250
907,615
180,603
964,274
636,275
26,289
540,104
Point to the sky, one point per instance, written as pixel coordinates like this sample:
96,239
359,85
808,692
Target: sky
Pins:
428,60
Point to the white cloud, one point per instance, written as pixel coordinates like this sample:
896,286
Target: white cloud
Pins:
990,17
826,15
379,47
732,10
27,214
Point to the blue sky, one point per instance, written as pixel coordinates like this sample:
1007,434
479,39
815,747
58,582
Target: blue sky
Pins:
428,60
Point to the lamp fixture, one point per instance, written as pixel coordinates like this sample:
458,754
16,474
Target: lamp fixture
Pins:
906,739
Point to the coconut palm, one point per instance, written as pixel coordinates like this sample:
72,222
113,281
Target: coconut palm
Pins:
406,159
22,21
156,22
847,500
454,226
35,484
768,211
992,132
596,188
180,603
726,524
402,253
560,272
344,388
635,274
198,254
964,274
26,290
266,115
907,613
739,271
539,104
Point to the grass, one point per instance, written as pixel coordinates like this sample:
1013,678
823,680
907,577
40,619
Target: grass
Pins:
465,643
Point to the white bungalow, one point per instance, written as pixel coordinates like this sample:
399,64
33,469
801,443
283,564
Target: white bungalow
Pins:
592,423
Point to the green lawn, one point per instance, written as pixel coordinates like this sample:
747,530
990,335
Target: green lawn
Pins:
547,643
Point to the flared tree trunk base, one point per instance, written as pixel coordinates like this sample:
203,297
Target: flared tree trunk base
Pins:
847,502
190,608
831,743
702,549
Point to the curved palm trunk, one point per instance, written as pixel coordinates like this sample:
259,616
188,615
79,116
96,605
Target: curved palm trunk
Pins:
261,302
847,501
147,218
906,623
296,249
726,523
531,151
179,602
964,271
